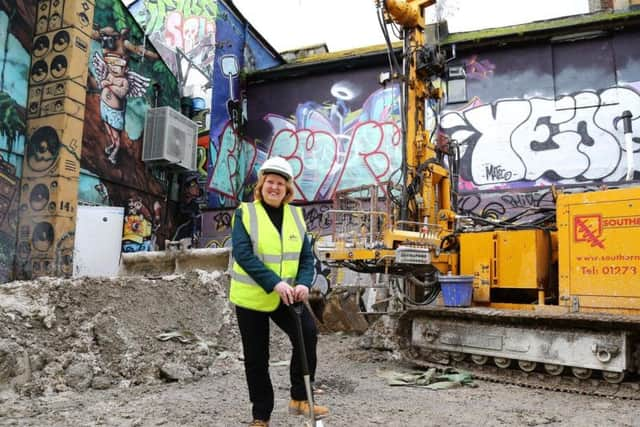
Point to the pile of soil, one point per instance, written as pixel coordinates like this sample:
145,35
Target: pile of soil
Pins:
60,334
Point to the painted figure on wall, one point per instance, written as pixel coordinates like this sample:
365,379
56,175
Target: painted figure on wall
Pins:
14,68
12,126
140,226
183,32
117,82
126,79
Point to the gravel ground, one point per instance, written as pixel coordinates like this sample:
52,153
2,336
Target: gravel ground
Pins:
352,387
88,353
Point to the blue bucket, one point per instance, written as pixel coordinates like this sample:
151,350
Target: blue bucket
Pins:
198,104
457,290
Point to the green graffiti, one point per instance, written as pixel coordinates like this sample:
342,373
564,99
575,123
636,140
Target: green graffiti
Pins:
234,165
204,8
202,161
158,10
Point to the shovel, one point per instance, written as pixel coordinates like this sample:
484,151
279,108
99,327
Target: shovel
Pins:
296,311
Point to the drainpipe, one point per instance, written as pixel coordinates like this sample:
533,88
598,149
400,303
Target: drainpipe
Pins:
628,142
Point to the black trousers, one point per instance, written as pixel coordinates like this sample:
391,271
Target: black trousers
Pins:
254,329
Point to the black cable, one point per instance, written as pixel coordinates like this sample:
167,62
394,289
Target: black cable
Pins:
395,71
509,226
390,189
454,167
414,187
396,30
382,25
393,62
403,119
450,242
434,290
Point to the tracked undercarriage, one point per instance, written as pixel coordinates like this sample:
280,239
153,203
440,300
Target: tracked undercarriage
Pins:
580,353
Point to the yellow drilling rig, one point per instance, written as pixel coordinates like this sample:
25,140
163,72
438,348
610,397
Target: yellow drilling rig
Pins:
553,304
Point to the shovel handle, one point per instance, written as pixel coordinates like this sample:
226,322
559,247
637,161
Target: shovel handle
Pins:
297,308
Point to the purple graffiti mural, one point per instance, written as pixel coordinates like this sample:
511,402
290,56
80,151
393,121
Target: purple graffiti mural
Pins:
329,147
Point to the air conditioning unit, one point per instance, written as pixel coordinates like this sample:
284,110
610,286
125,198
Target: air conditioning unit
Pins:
170,139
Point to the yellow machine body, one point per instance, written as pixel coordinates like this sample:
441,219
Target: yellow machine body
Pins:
599,251
513,259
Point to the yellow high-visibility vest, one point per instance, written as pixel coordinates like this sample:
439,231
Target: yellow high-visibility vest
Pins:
279,252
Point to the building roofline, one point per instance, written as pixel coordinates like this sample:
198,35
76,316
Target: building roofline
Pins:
511,35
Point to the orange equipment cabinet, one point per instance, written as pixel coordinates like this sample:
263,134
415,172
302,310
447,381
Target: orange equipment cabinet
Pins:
599,251
506,259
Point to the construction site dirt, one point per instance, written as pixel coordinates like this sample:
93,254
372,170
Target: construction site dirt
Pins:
165,351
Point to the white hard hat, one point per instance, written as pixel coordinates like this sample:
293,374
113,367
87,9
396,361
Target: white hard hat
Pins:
277,165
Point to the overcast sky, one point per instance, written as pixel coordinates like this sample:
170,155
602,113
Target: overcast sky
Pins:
347,24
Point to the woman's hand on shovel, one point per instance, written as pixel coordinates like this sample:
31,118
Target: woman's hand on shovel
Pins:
286,292
300,293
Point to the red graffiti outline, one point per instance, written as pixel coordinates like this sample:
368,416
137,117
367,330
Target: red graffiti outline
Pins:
293,154
365,156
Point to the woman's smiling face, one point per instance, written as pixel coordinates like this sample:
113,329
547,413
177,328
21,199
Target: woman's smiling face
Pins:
274,189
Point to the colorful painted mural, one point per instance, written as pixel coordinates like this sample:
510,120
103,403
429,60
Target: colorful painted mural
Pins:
182,31
55,114
208,46
531,121
127,77
231,158
16,29
140,226
185,34
347,135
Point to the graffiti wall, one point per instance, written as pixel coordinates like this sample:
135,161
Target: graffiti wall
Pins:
16,38
536,116
231,158
127,77
338,130
548,117
55,115
180,30
207,45
184,33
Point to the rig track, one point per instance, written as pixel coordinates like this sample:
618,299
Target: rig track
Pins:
538,378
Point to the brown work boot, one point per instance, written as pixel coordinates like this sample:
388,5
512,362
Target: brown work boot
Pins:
301,407
259,423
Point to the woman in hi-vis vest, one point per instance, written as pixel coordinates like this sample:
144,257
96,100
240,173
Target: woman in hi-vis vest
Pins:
273,268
